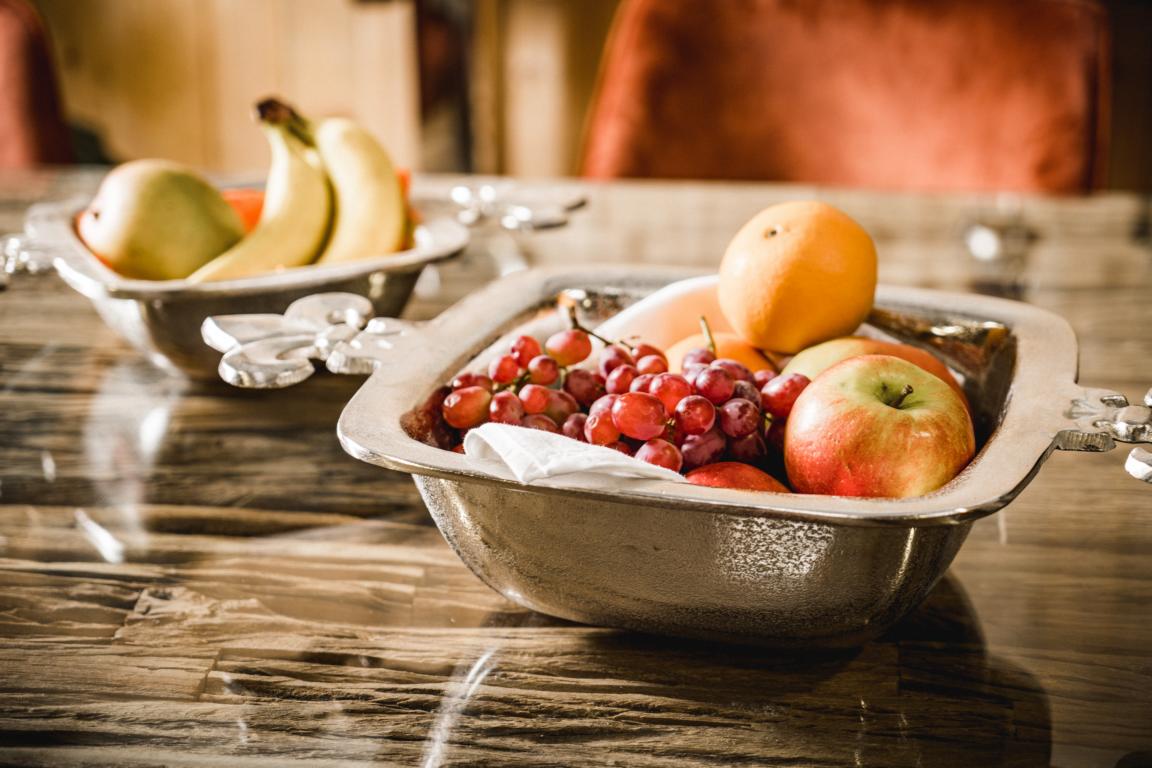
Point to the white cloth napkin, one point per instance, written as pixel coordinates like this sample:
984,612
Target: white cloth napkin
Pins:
532,454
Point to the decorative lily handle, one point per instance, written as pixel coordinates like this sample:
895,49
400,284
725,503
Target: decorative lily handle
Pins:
268,351
1101,419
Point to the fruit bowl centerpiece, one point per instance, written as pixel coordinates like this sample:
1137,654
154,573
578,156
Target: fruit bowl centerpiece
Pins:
159,248
162,318
789,570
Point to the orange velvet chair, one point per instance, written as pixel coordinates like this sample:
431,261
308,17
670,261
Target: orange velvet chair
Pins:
896,94
32,130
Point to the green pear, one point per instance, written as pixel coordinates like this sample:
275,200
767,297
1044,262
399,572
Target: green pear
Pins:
158,220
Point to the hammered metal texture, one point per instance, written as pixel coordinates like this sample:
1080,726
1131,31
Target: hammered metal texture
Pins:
761,581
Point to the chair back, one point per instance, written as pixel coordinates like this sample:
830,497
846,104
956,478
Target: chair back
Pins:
32,128
897,94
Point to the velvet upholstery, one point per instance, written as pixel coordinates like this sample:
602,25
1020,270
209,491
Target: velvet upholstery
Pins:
899,94
32,129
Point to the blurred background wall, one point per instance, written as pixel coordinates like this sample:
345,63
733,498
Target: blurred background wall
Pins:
492,86
178,78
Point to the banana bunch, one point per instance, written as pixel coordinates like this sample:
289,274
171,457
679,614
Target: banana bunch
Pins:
332,196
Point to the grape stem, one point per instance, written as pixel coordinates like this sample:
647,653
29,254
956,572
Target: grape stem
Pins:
707,330
577,327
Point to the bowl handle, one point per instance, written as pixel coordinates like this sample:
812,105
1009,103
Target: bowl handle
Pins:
269,351
1101,418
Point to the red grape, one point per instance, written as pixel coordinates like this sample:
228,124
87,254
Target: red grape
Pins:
639,415
779,394
541,422
472,380
603,403
466,407
738,370
612,357
574,426
583,385
690,372
774,435
716,384
739,417
652,364
697,356
569,347
699,450
661,453
599,429
642,350
641,383
673,432
543,370
695,414
762,377
560,406
746,390
534,397
671,388
620,379
506,408
504,369
621,446
749,449
524,349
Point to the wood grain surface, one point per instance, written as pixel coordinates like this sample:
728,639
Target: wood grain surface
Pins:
196,575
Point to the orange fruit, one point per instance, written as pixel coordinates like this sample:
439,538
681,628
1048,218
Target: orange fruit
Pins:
728,345
247,202
797,274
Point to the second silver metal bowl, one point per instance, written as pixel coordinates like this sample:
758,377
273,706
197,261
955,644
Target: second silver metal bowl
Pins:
162,319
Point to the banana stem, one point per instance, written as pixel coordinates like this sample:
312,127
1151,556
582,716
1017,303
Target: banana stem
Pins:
272,111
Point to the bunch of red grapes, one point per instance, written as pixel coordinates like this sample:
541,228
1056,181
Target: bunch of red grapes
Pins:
716,410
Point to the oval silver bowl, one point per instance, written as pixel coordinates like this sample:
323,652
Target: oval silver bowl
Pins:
162,319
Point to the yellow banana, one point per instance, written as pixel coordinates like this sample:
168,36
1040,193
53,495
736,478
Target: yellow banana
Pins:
371,217
297,210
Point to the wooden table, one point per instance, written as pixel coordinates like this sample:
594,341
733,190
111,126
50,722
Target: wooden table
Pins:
196,575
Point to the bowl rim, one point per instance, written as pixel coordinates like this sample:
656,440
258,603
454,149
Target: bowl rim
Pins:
50,225
1042,386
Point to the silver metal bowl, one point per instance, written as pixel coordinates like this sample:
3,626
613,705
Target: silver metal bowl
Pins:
774,569
162,319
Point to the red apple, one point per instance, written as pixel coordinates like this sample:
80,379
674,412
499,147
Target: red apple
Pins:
734,474
816,359
876,425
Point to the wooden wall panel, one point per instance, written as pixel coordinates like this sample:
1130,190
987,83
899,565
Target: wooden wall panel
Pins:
129,70
387,94
178,78
239,76
536,67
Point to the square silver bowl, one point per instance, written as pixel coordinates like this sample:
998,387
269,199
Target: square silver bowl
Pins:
162,318
775,569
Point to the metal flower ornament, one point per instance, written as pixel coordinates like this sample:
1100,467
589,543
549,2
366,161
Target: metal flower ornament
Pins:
269,351
1104,421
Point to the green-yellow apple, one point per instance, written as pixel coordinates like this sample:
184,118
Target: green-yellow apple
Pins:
817,358
157,220
876,425
735,474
